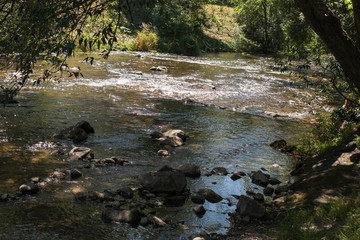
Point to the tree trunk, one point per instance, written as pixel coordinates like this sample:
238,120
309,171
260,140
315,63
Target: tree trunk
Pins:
328,27
266,27
356,9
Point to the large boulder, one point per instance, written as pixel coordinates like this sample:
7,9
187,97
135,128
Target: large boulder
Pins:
77,133
131,217
190,170
167,180
260,178
248,207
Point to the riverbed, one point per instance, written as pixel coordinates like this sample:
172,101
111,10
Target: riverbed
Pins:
232,106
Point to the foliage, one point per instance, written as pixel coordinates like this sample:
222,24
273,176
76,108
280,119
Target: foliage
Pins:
338,220
262,24
179,24
331,129
146,39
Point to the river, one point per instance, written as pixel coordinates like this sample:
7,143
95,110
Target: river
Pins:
232,106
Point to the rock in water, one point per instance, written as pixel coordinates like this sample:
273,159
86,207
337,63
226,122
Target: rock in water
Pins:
210,195
190,170
29,188
75,173
85,126
173,137
249,207
260,178
199,210
219,171
81,153
199,199
77,133
170,182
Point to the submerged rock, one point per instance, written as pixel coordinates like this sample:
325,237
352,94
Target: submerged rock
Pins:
175,201
131,217
93,196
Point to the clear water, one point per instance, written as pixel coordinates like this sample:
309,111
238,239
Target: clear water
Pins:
229,126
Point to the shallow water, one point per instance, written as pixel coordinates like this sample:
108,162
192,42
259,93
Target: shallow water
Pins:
229,126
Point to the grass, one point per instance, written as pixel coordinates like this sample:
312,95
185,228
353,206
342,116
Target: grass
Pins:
337,220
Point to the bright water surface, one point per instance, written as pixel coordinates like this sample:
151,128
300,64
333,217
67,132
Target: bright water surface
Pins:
229,126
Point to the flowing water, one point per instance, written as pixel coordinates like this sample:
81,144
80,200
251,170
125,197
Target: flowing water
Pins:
225,102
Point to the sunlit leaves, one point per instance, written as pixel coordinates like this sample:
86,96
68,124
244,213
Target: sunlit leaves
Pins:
349,4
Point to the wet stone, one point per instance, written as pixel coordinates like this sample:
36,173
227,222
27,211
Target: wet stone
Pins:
249,207
260,178
58,175
198,199
210,195
163,153
190,170
199,210
75,173
132,217
235,176
268,191
35,179
219,171
259,197
158,222
29,188
274,181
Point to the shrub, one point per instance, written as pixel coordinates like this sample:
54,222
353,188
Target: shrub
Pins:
146,39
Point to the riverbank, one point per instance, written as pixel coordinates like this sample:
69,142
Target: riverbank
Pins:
322,200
